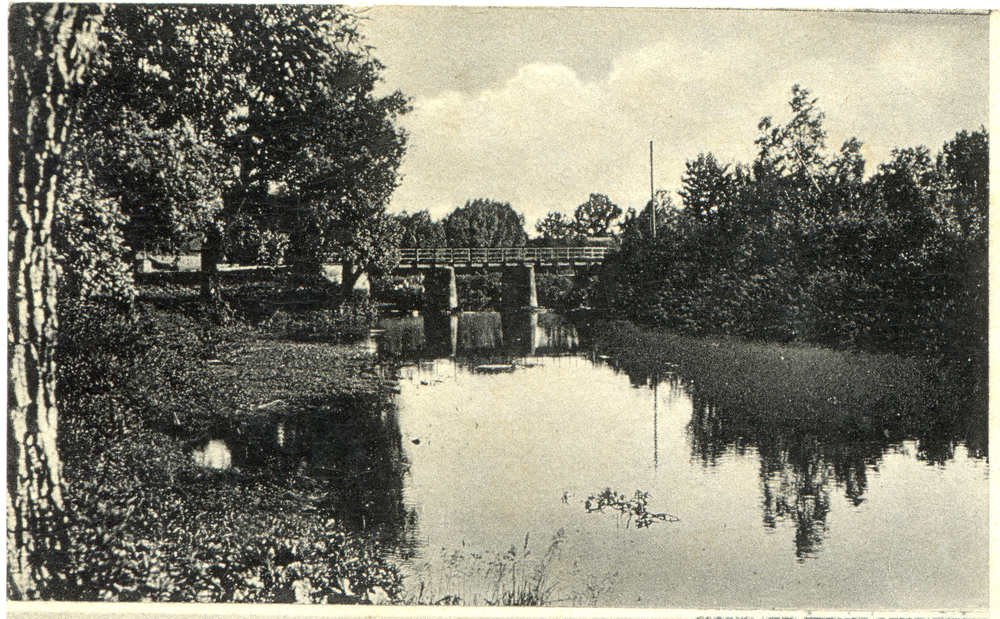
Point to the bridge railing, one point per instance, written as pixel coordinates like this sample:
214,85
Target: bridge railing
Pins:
493,255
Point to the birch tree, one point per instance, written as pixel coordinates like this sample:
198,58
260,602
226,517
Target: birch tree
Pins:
50,48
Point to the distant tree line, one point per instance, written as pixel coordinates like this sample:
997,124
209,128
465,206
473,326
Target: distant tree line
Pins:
798,244
480,223
488,223
594,218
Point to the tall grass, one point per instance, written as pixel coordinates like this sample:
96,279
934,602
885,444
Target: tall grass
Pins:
468,578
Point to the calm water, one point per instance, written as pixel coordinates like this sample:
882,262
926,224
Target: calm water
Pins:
475,475
507,426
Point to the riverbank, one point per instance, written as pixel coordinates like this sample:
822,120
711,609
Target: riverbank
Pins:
184,477
853,394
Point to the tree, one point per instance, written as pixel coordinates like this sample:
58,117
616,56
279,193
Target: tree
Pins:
795,150
556,228
905,190
593,218
596,216
168,181
282,96
420,231
50,48
485,223
964,169
707,187
636,227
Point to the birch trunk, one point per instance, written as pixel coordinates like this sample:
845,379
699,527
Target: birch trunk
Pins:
50,47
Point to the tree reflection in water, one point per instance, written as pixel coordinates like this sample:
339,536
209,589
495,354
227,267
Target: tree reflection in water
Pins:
803,459
340,455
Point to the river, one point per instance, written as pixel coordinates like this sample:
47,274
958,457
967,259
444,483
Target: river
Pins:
474,474
508,425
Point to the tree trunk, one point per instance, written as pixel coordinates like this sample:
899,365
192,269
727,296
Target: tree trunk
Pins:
348,278
50,47
211,256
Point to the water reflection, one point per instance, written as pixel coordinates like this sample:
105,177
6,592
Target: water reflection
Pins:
476,337
775,511
341,454
802,461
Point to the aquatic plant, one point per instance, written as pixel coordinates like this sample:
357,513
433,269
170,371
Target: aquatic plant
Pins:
521,584
490,578
634,508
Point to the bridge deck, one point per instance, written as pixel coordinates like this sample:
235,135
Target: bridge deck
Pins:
485,256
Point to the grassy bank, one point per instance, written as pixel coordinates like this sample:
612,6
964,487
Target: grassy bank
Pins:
156,516
756,387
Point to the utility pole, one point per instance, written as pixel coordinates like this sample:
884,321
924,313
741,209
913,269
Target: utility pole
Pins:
652,195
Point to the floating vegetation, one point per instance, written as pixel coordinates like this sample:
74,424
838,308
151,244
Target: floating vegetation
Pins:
634,508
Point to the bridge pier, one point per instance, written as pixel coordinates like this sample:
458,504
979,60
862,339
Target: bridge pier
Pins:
517,287
441,289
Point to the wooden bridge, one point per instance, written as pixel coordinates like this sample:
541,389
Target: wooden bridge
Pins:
486,257
516,263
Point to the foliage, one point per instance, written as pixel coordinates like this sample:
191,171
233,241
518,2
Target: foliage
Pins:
593,218
146,522
799,405
566,292
169,181
491,578
405,293
633,509
277,565
485,223
636,228
963,165
246,243
798,245
188,131
90,246
420,231
526,587
479,291
596,216
556,228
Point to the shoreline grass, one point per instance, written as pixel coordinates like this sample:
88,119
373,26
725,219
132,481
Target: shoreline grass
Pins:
855,394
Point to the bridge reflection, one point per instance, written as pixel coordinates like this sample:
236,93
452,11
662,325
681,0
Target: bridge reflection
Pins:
476,337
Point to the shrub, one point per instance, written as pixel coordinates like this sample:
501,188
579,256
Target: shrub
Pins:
480,291
405,293
248,244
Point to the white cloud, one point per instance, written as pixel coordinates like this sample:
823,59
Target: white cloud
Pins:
544,139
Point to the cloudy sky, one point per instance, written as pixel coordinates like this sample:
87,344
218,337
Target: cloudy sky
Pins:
541,107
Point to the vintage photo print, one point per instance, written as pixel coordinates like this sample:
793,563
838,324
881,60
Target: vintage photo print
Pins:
398,309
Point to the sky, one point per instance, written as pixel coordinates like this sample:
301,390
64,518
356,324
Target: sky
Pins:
540,107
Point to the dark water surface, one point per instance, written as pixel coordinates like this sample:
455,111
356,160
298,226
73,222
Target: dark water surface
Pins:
508,426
